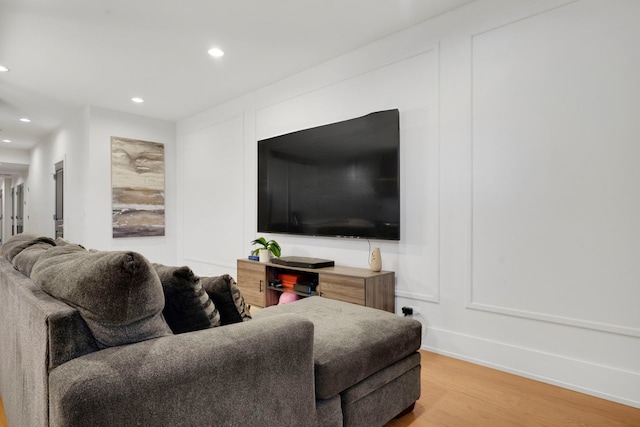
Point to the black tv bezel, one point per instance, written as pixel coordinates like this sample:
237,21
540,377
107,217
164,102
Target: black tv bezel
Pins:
396,237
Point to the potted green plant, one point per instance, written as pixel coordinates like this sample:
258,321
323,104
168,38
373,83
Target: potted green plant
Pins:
265,248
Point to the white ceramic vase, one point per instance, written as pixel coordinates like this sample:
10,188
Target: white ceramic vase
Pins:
264,255
376,260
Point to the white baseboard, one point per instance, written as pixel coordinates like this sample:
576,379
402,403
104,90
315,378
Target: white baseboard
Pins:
605,382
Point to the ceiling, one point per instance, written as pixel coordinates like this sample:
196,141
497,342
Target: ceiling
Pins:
66,54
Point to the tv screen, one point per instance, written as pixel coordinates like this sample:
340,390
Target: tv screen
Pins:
340,179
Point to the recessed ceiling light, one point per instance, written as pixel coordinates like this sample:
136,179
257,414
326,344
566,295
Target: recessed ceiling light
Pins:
3,69
216,52
24,119
137,100
8,141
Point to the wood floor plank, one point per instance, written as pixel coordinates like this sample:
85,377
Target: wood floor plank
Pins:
3,419
460,394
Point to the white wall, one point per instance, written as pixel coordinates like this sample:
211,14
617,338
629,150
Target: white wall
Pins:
520,199
70,145
84,144
10,155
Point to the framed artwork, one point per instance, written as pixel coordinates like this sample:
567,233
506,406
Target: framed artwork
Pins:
137,187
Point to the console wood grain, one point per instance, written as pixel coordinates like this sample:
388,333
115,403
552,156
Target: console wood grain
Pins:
252,282
350,284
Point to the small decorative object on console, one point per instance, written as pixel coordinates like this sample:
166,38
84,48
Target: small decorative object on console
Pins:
304,262
306,288
376,260
266,247
288,280
287,297
276,283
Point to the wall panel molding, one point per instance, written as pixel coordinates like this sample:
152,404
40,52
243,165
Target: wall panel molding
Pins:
544,317
212,262
552,228
410,84
606,382
435,298
212,187
431,49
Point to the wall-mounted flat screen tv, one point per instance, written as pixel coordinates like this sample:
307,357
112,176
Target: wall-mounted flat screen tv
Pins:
340,179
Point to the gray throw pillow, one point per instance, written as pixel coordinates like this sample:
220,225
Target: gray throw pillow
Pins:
16,244
118,294
226,295
25,259
187,306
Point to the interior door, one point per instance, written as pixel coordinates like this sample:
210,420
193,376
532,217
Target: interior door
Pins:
13,211
59,214
1,216
19,208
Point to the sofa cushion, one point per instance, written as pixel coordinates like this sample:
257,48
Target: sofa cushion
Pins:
69,336
351,342
187,306
381,378
329,412
118,294
27,257
226,295
383,404
16,244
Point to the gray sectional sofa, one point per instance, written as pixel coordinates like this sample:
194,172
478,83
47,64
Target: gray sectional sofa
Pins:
75,360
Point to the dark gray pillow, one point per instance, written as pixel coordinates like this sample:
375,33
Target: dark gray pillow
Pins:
25,259
16,244
226,295
187,306
118,294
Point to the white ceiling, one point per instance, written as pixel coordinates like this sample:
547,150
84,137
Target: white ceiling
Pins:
66,54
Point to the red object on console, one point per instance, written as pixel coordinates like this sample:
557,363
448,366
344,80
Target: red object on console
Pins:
288,280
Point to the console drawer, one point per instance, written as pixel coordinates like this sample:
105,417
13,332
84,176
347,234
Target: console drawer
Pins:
349,289
252,282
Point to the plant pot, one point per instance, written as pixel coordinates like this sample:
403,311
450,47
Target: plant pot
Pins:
264,255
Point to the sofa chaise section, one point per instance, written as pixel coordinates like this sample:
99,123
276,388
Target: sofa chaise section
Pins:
366,358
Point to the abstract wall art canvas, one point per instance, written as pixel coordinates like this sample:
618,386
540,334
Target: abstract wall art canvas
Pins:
137,187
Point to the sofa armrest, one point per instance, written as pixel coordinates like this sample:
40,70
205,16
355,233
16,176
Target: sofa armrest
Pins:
251,373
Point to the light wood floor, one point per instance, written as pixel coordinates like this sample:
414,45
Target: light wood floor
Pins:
3,420
461,394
